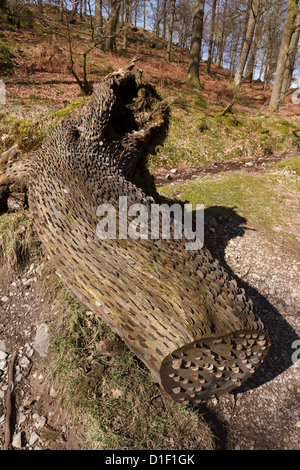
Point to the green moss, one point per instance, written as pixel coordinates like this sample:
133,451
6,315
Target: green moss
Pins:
257,198
291,164
200,102
6,57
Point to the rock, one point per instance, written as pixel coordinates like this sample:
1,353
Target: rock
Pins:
249,164
4,299
33,438
2,418
22,418
39,269
40,422
24,362
17,441
42,340
174,171
3,355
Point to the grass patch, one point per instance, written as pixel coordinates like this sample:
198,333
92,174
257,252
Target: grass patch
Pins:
30,132
114,397
199,136
18,243
291,164
267,201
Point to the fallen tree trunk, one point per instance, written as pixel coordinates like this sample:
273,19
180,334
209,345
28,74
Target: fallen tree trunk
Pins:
177,310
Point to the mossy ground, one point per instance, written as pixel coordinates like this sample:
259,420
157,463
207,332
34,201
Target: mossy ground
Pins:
269,200
199,135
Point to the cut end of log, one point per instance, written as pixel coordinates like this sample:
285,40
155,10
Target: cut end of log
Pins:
211,367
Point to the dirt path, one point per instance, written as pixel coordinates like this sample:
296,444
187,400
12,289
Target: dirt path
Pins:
163,177
264,413
38,421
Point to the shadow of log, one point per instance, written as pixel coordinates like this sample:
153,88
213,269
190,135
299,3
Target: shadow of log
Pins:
228,224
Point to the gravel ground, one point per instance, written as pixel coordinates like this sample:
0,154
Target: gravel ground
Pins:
264,413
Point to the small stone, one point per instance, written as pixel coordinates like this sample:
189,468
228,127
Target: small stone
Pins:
42,340
2,418
17,441
24,362
4,299
3,355
53,392
33,438
174,171
22,418
40,422
298,424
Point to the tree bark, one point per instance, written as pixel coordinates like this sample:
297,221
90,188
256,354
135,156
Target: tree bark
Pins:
282,59
196,43
291,58
254,7
111,26
223,35
98,20
257,37
164,19
171,27
126,22
211,36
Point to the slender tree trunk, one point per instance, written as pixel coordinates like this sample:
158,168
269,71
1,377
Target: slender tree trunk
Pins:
111,26
284,49
257,37
223,35
127,15
98,20
171,27
254,7
196,43
211,36
145,14
291,58
164,19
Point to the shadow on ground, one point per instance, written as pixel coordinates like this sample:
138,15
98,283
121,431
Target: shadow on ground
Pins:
221,225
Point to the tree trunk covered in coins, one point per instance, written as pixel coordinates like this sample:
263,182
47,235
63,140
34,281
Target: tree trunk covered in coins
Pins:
178,310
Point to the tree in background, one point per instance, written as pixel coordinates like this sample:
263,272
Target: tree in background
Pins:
283,61
196,43
171,28
254,10
211,36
